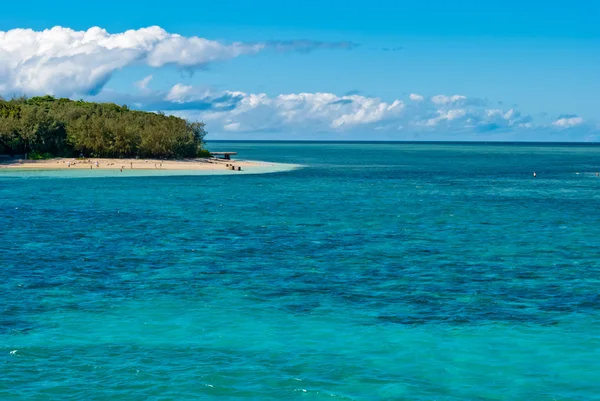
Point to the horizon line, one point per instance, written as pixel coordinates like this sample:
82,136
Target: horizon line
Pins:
404,141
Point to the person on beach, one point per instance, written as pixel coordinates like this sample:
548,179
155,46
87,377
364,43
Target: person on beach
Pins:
131,164
68,164
97,164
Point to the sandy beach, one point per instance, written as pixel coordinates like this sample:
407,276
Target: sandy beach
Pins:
130,164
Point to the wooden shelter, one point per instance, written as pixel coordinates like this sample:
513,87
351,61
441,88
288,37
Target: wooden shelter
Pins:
223,155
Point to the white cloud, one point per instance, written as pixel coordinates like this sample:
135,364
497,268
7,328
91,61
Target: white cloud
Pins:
327,112
444,100
314,111
63,61
143,83
368,110
568,121
179,93
447,115
232,127
416,98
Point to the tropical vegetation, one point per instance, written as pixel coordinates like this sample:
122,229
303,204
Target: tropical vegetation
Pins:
46,127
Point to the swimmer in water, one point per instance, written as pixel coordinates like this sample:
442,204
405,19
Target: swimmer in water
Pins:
534,174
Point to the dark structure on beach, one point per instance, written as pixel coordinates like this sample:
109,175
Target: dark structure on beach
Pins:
223,155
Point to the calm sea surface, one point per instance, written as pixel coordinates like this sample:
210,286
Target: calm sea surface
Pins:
376,271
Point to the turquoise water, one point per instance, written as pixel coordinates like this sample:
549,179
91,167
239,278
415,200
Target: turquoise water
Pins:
376,271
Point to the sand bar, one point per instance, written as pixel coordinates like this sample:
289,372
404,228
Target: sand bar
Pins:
130,164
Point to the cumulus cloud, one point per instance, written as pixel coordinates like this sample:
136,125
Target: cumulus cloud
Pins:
444,100
313,111
143,83
567,121
63,61
179,93
327,112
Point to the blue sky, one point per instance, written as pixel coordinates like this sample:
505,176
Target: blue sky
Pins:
538,59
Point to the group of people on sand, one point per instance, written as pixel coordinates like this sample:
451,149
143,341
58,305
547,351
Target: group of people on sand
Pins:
69,163
97,164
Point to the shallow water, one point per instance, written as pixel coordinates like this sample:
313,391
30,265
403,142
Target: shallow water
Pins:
377,271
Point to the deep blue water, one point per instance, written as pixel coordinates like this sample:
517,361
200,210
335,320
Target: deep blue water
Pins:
377,271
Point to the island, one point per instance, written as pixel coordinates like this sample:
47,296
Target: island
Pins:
49,133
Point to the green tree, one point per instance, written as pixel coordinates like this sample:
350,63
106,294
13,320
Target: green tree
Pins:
62,127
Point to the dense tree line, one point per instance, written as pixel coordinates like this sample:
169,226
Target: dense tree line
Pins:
46,126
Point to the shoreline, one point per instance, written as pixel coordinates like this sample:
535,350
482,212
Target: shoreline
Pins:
209,164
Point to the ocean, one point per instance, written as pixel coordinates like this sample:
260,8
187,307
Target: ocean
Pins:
375,271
